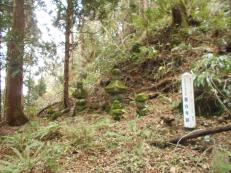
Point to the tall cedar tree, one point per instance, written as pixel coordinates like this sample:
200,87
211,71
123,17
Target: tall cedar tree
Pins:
14,84
68,27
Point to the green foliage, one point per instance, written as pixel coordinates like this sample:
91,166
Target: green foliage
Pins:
221,161
28,151
212,76
132,161
80,92
35,90
98,9
81,137
47,132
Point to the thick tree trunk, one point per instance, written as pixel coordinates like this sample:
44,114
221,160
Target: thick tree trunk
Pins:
0,85
14,84
69,15
1,76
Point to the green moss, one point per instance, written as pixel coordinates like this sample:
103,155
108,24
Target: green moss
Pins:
116,87
142,97
141,107
116,105
116,72
116,110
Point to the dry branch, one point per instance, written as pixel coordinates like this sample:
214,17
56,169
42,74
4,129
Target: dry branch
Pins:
196,134
47,107
192,135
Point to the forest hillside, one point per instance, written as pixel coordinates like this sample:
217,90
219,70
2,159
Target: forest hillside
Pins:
115,86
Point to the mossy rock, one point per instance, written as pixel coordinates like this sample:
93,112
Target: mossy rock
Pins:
116,110
116,114
142,97
116,87
116,72
116,105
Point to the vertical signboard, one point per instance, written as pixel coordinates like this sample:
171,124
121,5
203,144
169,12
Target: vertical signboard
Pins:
188,101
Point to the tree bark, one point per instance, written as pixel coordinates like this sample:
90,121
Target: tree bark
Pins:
179,15
14,84
69,15
0,76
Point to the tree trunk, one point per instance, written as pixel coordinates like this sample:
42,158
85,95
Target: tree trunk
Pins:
143,6
14,84
69,15
1,57
179,15
0,84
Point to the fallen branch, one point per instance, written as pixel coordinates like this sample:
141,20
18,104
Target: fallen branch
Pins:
200,133
192,135
47,107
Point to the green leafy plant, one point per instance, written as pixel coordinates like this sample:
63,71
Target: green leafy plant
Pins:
213,80
35,155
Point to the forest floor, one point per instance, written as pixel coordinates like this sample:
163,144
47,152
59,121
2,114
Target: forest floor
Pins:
96,143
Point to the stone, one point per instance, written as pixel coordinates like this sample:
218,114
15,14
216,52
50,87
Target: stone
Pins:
116,110
142,97
116,87
141,107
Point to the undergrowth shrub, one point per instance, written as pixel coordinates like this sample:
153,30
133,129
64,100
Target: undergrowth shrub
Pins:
221,162
213,84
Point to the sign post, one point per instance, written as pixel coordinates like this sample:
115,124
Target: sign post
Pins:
188,101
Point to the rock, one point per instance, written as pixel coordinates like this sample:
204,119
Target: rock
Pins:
142,97
141,107
104,82
116,72
116,87
168,119
116,110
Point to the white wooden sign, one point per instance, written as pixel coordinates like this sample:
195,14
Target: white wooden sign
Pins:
188,101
